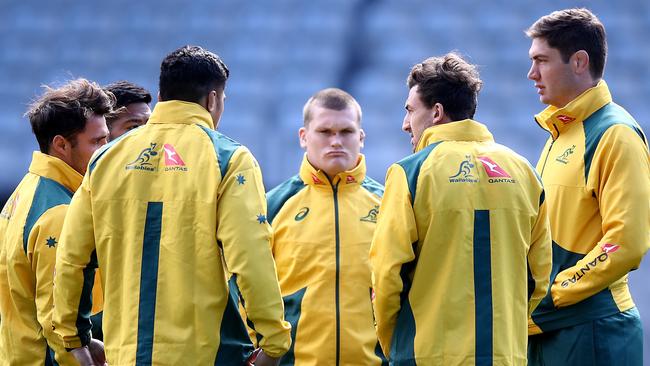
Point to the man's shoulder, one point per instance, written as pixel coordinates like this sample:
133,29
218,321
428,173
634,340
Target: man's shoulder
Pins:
226,149
610,128
278,196
373,186
47,195
414,161
609,116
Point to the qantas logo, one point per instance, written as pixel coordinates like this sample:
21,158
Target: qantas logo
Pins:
491,168
495,173
171,156
607,249
173,161
565,119
350,179
315,179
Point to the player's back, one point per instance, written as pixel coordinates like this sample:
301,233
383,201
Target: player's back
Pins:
155,198
475,204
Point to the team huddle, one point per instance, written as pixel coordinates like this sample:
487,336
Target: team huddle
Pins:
145,237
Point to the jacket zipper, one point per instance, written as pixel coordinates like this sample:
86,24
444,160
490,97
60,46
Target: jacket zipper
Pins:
338,255
549,149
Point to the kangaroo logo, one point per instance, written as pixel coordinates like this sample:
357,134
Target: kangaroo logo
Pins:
564,157
372,215
464,172
142,161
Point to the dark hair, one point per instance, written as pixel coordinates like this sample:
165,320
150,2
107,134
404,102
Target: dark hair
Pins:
190,73
572,30
450,81
125,93
64,110
330,98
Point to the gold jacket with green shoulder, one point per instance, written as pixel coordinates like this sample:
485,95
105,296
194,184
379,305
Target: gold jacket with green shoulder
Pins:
165,212
322,234
596,170
30,233
462,251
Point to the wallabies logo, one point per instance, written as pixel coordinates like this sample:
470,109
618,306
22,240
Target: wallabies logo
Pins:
464,174
142,161
564,158
372,215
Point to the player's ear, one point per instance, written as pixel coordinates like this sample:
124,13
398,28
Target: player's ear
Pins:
302,135
362,134
580,62
212,101
437,113
59,145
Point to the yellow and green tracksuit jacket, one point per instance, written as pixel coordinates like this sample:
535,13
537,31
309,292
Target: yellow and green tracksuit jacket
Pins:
165,211
596,171
30,228
322,234
462,251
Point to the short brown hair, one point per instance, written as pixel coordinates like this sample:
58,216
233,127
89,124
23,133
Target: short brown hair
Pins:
572,30
450,81
331,98
64,110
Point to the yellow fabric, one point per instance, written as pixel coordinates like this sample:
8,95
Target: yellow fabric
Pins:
596,170
440,207
322,235
180,191
38,206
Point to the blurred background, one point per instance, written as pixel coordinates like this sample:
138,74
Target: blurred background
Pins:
280,52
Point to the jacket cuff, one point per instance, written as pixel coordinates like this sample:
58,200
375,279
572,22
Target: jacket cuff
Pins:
81,341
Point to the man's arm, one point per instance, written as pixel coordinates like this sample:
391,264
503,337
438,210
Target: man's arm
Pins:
245,236
75,271
540,258
391,250
620,174
42,244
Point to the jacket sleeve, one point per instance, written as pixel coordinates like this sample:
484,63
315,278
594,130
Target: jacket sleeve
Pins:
245,236
539,257
76,262
391,252
620,177
42,244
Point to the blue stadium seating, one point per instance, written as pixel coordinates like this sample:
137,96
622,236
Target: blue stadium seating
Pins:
281,52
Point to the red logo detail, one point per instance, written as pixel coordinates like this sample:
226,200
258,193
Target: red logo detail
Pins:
315,179
171,156
372,295
350,179
491,168
565,119
609,248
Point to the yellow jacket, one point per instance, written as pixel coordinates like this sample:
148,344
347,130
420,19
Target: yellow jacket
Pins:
30,228
596,170
322,234
462,251
164,212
